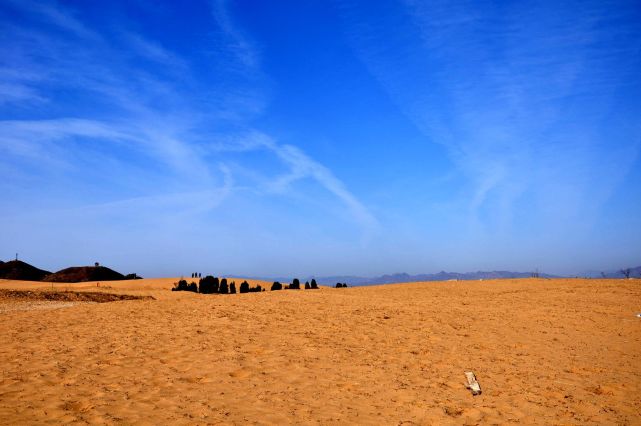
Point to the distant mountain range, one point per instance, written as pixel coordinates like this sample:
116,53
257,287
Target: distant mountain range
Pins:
447,276
16,269
407,278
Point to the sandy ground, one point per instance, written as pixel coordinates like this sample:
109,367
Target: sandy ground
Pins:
544,352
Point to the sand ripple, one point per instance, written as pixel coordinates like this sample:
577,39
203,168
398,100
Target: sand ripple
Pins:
545,352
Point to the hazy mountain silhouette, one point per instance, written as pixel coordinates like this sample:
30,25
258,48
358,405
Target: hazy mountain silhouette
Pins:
406,278
439,276
634,273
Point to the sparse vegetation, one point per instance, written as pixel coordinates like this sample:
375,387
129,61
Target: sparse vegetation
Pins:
277,286
224,288
133,277
295,285
183,286
214,285
208,285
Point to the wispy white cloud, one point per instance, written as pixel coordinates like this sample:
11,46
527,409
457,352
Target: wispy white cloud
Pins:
300,167
154,51
517,95
237,42
167,121
17,92
54,14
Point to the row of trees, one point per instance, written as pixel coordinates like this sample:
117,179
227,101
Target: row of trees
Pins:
214,285
211,285
295,285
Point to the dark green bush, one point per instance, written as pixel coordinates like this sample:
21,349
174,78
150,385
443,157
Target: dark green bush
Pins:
208,285
295,285
183,286
223,289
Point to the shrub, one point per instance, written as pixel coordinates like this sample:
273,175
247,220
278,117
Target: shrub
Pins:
183,286
244,287
314,285
232,287
307,286
339,285
295,285
208,285
223,289
277,286
256,289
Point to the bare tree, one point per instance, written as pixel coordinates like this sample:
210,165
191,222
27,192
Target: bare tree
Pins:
626,272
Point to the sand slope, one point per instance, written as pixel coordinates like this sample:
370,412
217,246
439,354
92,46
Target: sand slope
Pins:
544,351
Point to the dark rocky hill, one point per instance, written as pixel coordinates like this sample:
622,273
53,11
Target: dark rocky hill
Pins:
19,270
77,274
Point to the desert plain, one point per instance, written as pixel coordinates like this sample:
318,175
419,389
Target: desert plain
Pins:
560,351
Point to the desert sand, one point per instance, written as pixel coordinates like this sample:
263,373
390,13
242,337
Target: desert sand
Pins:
544,352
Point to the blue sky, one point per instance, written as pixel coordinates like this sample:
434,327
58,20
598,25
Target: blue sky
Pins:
320,138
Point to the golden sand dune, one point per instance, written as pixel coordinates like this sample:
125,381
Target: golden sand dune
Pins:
544,352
